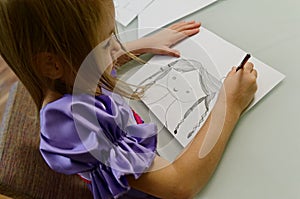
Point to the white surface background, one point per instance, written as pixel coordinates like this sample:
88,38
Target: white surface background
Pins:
262,159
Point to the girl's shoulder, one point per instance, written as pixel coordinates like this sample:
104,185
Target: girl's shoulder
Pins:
72,115
68,103
62,104
106,111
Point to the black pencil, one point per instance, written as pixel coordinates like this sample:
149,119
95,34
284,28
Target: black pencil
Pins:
246,58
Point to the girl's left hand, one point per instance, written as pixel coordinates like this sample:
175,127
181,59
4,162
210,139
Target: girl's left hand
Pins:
161,42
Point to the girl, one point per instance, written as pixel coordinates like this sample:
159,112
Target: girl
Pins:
92,132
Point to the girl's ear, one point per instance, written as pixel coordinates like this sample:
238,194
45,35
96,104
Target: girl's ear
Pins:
49,65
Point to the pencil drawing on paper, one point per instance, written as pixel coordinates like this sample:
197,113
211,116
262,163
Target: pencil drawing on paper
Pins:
180,94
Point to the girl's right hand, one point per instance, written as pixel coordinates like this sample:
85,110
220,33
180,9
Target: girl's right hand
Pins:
239,88
181,178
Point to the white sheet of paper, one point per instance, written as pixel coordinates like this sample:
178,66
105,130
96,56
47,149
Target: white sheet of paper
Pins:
217,57
127,10
177,88
162,12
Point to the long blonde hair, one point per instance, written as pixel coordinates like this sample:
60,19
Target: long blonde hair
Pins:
67,28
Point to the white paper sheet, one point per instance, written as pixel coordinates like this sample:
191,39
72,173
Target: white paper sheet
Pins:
127,10
162,12
217,57
180,91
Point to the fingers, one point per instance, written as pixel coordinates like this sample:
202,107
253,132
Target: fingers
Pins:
191,32
248,67
176,25
188,26
171,52
254,72
232,72
181,30
182,35
168,51
185,33
183,26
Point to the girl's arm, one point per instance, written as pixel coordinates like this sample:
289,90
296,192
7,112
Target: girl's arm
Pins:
159,43
190,172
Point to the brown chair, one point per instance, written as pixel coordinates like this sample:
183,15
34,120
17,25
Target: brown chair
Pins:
23,172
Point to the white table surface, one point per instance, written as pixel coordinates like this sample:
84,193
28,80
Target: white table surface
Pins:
262,158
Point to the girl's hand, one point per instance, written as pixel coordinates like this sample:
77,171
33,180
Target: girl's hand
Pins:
161,42
239,88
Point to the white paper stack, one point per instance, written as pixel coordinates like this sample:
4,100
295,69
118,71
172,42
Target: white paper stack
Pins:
163,12
127,10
